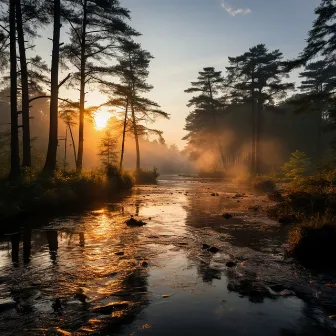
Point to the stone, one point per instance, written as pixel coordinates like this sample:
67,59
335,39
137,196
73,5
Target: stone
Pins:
227,216
230,264
213,249
134,222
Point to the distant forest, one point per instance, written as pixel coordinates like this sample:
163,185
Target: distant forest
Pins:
249,115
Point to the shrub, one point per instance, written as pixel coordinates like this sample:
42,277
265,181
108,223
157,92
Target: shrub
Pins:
263,184
312,242
299,165
147,176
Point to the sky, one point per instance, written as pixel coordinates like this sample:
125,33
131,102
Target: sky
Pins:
186,35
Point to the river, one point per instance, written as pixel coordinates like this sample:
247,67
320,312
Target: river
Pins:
158,277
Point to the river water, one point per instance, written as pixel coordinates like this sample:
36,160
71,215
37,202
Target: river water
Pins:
157,277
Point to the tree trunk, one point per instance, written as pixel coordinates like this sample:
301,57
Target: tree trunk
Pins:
258,134
51,160
26,157
79,164
253,152
123,137
65,149
73,143
213,113
136,137
15,156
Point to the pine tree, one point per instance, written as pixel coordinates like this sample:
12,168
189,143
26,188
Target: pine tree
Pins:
203,120
256,78
30,15
15,156
322,37
51,159
95,28
132,69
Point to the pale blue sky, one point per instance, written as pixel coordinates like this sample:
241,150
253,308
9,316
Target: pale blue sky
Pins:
186,35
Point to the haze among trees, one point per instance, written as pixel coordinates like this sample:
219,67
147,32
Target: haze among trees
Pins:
237,115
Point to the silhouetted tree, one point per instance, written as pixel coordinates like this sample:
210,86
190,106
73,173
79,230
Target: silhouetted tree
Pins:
256,78
132,69
202,122
95,28
51,159
15,156
107,149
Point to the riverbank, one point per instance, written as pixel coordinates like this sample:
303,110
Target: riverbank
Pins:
160,276
61,193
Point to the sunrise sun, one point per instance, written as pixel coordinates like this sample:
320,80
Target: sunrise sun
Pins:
101,118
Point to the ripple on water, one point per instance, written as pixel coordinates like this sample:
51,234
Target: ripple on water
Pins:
171,285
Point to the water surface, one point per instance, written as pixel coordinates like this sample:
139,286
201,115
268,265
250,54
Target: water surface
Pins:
167,283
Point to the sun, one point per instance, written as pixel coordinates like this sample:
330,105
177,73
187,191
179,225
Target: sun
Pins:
101,118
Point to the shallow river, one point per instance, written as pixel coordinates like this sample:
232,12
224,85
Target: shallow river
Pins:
157,279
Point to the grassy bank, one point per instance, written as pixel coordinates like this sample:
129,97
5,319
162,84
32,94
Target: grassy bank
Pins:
64,191
308,204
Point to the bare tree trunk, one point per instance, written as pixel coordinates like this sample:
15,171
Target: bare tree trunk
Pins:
73,143
258,134
253,152
15,156
213,113
79,163
26,157
123,137
51,160
136,137
65,149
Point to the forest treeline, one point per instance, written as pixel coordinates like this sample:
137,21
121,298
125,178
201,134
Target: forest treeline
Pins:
252,115
101,53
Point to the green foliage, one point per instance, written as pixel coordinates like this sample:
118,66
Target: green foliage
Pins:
299,165
64,191
147,176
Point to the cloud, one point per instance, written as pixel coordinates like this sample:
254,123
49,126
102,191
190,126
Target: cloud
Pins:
235,11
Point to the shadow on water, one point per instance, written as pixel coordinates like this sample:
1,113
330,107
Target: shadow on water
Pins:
157,279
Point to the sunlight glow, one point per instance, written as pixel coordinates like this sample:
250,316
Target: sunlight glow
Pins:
101,117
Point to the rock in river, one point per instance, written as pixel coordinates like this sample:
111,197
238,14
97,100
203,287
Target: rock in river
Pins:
134,222
213,249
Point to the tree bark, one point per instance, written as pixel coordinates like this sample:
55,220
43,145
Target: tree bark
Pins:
79,163
136,137
123,137
213,113
26,155
253,152
15,156
73,143
51,160
258,133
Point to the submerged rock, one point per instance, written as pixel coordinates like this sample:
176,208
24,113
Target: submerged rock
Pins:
231,264
144,263
7,305
119,253
135,222
111,307
227,216
80,296
214,249
57,305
